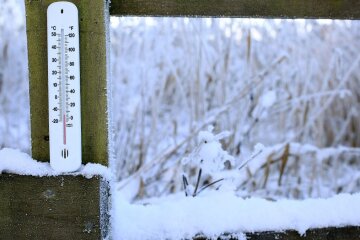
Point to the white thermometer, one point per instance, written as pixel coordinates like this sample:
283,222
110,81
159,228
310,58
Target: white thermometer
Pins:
64,86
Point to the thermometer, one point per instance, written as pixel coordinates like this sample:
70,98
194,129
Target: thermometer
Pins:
64,86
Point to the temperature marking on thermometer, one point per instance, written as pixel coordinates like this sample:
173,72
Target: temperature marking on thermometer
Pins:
63,50
64,86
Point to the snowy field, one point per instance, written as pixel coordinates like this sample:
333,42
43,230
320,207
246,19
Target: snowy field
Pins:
269,110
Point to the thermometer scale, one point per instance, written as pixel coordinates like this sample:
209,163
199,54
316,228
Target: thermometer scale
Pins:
64,86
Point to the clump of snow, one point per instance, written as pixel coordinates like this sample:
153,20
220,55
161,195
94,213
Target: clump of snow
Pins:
209,154
268,99
91,169
214,213
259,147
17,162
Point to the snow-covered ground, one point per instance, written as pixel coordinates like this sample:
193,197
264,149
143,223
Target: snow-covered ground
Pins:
273,104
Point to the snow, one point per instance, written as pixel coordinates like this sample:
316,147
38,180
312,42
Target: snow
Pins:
209,154
217,212
259,147
268,99
16,162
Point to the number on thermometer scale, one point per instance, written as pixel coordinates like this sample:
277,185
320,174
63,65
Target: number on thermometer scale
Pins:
64,87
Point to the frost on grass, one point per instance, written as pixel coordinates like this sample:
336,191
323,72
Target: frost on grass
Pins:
16,162
14,85
268,81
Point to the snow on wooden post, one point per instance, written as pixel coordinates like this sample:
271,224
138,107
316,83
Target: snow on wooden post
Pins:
93,73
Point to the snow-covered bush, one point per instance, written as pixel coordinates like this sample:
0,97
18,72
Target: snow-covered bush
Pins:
207,158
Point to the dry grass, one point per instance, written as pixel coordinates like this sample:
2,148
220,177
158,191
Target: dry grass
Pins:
173,77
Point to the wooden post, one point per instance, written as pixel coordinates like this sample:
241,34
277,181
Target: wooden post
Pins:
93,16
63,207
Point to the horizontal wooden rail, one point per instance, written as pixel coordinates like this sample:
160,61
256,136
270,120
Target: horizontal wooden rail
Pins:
58,207
341,233
334,9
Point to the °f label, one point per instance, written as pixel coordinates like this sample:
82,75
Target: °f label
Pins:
64,86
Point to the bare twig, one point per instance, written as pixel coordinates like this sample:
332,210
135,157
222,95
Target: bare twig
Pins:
284,160
209,185
185,183
250,159
197,183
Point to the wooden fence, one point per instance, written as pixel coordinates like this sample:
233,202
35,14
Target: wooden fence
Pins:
68,207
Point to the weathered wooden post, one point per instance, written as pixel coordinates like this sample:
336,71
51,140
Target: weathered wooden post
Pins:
93,55
63,207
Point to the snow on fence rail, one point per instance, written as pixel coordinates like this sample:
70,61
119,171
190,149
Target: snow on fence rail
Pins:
217,212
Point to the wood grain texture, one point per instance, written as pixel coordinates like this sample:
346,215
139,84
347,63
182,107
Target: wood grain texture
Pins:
336,9
93,74
330,233
62,207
